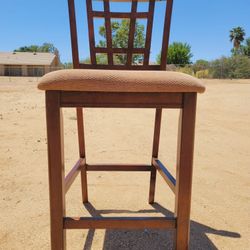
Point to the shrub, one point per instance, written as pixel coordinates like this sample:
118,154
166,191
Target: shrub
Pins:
241,66
187,70
202,74
230,67
200,65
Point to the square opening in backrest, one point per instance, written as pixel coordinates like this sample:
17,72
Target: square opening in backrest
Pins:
143,6
120,59
97,5
102,58
100,32
120,6
157,32
120,32
82,30
140,33
137,59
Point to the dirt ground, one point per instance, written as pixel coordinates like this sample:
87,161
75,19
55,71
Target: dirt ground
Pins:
221,182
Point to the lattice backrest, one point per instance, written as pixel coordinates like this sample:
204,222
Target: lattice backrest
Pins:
129,51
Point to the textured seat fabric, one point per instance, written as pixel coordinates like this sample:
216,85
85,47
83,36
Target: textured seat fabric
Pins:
120,81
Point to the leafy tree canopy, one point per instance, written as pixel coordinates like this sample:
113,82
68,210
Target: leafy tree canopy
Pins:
45,47
120,34
243,50
230,67
237,36
178,53
246,47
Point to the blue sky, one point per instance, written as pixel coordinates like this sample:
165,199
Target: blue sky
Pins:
204,24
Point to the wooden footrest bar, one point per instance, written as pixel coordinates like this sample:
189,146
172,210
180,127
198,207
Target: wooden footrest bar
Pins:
118,167
170,180
119,223
69,179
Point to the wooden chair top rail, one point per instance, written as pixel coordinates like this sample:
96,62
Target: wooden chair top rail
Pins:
125,1
130,50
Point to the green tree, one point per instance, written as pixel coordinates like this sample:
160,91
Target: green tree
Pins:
241,67
120,34
45,47
100,59
221,68
48,47
237,37
31,48
178,53
237,66
246,47
68,65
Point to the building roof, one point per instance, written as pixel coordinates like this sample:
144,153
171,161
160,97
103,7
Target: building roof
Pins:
26,58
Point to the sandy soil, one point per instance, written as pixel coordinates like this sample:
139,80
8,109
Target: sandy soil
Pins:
221,183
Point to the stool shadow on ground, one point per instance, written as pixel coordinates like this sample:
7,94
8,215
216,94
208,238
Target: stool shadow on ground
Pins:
150,239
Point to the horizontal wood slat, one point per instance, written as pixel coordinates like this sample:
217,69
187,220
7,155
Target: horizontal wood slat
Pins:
101,14
69,179
120,99
120,223
119,67
118,167
165,174
120,50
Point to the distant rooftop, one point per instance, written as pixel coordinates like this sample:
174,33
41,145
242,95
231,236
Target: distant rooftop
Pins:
26,58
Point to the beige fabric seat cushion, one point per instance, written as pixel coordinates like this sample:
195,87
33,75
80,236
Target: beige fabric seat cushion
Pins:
120,81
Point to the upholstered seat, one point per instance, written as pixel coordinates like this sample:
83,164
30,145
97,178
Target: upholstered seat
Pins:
120,81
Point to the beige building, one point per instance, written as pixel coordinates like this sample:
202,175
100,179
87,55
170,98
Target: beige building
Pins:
27,63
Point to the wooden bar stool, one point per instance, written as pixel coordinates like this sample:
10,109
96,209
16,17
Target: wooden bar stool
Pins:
120,86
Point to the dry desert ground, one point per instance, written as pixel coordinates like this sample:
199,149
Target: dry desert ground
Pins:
221,181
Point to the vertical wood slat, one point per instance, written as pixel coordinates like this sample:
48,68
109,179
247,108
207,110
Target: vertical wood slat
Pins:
131,33
91,32
156,141
166,32
149,32
56,169
184,170
108,31
73,32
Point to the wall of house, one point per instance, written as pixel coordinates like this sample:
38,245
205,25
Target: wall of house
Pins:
24,70
36,70
12,70
30,70
47,69
1,70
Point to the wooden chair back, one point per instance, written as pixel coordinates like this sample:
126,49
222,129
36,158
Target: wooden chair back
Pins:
130,51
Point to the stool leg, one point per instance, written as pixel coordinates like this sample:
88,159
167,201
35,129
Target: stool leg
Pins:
156,141
56,169
82,153
184,170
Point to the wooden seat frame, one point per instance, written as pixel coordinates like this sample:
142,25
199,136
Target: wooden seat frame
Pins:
59,184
